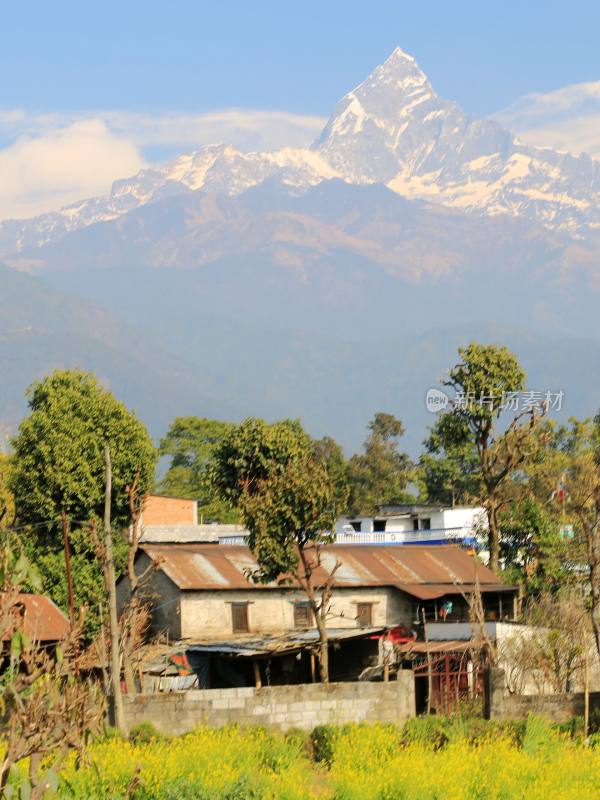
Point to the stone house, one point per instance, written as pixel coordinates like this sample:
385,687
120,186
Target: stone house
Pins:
202,591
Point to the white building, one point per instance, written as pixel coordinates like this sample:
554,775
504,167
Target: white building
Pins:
175,521
414,524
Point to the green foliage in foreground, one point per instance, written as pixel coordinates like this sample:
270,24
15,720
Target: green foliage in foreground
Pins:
427,759
58,461
58,466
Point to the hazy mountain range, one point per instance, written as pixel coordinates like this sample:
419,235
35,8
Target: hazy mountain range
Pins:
327,282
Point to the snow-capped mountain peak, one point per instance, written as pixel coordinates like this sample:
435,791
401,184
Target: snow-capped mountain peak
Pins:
391,129
394,129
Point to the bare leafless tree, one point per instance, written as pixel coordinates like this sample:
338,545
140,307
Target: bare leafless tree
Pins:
318,592
47,708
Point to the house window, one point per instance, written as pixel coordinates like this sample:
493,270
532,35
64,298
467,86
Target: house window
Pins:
415,524
239,617
426,524
302,615
364,615
379,525
357,526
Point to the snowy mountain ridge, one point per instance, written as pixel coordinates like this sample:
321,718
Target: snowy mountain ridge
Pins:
392,129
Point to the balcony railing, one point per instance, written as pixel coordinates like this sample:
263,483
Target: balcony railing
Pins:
408,537
431,535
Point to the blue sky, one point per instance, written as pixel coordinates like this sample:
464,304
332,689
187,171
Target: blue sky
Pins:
296,56
94,91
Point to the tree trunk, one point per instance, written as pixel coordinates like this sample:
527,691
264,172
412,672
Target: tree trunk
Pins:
112,601
493,539
129,674
324,660
323,649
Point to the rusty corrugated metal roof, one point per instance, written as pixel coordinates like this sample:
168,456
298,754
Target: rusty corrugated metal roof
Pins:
43,620
424,571
282,644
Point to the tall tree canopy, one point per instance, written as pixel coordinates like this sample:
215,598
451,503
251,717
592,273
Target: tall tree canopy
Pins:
281,483
329,453
255,451
381,473
190,443
481,382
59,451
58,466
449,470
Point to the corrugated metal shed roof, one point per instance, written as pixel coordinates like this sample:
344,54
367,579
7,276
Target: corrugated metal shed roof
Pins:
280,645
43,620
423,571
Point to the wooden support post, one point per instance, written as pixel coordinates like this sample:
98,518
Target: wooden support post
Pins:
109,566
386,671
257,678
313,669
429,674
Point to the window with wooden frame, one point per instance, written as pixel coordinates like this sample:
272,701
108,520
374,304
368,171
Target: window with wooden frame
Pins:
239,617
303,617
364,615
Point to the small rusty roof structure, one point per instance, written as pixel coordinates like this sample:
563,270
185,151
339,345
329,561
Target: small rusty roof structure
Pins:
43,621
279,645
425,572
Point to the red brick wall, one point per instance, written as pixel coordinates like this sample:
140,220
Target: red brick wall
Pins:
169,511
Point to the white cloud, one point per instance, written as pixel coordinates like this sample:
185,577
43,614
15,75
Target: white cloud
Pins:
52,159
62,166
246,129
566,119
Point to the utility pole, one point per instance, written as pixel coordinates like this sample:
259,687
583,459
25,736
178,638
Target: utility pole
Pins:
65,529
112,599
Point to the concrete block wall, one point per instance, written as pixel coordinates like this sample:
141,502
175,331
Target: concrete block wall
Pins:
499,704
303,706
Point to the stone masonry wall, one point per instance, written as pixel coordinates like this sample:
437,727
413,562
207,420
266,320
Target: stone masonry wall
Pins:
303,706
556,707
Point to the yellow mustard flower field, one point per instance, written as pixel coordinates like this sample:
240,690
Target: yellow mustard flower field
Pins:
422,761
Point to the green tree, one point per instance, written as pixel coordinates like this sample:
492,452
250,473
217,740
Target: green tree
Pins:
482,381
58,463
531,546
190,443
253,452
449,470
287,502
58,467
330,454
7,504
381,473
